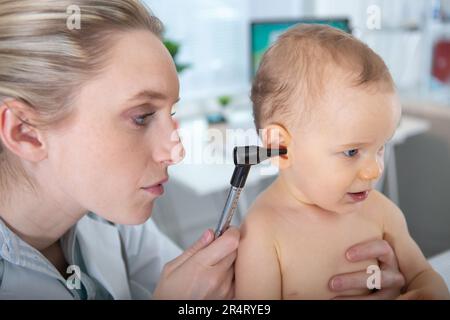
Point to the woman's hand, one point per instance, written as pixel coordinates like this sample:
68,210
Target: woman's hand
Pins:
392,280
204,271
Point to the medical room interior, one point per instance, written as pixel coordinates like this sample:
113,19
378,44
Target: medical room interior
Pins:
216,57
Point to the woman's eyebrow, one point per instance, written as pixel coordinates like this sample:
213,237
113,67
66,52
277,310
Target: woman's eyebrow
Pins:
150,94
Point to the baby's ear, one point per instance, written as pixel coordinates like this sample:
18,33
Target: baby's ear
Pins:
276,136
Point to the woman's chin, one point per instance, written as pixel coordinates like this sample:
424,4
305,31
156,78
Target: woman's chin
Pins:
139,217
133,217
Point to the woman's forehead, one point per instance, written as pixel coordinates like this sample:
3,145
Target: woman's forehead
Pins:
139,67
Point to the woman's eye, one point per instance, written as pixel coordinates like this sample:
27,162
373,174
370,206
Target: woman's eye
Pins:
141,120
351,153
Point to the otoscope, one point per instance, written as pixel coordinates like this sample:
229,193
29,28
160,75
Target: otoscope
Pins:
244,158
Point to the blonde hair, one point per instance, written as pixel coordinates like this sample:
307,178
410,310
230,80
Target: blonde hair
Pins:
44,61
294,70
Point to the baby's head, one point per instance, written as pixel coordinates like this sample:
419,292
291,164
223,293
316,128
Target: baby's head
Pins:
331,101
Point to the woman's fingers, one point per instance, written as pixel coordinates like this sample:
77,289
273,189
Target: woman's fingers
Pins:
227,290
373,296
201,243
391,279
378,295
220,248
348,281
412,295
204,271
391,283
206,252
374,249
231,292
358,280
227,262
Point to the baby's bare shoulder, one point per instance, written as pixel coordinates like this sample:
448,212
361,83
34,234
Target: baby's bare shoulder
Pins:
269,213
379,199
264,213
261,213
258,228
382,207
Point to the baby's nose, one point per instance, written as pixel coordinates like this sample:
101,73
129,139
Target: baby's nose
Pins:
371,171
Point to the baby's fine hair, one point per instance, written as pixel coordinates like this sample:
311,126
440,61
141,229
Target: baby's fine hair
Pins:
293,72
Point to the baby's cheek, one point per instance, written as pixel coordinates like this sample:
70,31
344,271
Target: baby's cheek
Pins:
332,179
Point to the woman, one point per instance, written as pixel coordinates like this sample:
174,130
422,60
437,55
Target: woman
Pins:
86,126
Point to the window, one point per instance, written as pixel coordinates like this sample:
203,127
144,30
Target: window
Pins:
213,39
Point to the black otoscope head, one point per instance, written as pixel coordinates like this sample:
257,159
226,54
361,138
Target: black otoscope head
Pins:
245,157
250,155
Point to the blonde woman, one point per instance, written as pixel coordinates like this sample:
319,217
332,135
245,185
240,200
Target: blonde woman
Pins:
86,126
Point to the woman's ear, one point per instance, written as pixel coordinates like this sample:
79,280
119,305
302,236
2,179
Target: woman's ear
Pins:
277,136
17,134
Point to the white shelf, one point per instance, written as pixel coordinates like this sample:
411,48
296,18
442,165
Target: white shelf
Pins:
440,27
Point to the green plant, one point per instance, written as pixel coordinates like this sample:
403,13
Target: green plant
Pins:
173,47
224,100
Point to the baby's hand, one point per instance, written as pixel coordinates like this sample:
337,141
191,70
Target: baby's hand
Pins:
392,280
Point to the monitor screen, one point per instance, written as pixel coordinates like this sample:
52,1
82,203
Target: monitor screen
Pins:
264,33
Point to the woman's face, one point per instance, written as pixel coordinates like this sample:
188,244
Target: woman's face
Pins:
121,137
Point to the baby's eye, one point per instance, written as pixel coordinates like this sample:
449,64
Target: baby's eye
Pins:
351,153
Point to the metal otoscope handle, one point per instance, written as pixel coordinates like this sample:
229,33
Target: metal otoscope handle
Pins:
244,158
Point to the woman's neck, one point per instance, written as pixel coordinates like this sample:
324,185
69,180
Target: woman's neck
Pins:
40,218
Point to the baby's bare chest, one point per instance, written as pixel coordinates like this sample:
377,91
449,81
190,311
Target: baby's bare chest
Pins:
312,254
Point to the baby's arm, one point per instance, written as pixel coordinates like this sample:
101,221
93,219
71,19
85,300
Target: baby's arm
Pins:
257,270
419,275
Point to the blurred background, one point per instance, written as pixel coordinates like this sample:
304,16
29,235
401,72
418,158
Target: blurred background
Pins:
217,45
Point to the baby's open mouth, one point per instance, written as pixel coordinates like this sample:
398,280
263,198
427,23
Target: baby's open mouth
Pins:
358,196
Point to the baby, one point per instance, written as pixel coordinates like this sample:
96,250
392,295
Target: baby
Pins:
330,100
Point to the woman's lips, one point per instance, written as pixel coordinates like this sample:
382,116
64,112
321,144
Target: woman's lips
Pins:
156,190
358,196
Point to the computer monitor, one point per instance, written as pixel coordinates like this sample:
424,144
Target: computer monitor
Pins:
264,32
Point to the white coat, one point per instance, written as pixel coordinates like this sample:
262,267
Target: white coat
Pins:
125,260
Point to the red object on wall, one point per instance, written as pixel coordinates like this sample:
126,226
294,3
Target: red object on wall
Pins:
441,61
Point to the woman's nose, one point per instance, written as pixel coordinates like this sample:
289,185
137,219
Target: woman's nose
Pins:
372,169
170,150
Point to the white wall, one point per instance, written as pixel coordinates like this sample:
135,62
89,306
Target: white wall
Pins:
215,36
406,51
266,9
